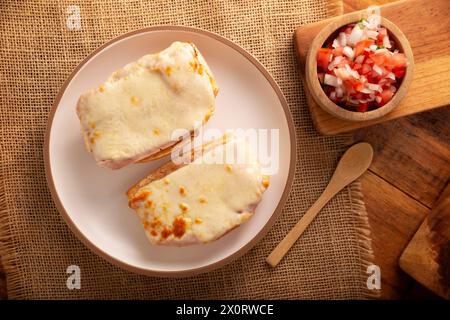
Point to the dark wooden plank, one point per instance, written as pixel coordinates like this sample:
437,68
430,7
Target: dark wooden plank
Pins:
3,292
419,259
419,292
413,153
394,218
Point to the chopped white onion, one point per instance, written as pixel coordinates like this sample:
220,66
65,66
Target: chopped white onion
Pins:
372,34
353,101
366,91
382,50
393,89
347,67
342,73
373,86
342,39
333,95
330,80
377,69
335,62
352,73
386,42
359,59
391,75
356,35
378,99
348,52
336,43
373,47
374,21
339,92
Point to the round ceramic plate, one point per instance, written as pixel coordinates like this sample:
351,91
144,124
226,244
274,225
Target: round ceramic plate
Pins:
92,199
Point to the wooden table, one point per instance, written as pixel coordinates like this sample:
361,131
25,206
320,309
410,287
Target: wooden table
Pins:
410,170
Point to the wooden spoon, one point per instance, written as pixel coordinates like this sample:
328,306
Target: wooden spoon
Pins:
355,161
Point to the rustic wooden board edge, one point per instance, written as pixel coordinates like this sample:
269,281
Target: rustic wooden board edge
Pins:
417,261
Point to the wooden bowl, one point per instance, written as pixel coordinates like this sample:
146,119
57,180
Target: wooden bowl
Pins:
319,95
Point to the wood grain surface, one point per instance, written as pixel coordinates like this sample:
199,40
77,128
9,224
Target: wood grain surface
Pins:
393,217
410,170
418,259
411,166
426,25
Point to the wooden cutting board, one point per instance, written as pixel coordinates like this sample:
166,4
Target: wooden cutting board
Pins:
418,259
426,24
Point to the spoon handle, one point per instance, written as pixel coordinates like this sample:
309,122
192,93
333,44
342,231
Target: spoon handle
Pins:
283,247
355,161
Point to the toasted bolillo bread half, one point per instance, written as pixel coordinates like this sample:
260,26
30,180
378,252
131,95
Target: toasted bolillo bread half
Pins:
184,204
132,115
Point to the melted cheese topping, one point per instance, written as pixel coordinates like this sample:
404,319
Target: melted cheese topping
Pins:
136,110
201,201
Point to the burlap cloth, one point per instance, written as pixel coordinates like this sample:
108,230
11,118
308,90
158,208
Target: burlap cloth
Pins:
38,52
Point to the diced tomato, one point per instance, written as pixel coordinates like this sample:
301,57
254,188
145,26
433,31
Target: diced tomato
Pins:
365,69
381,34
387,66
361,45
358,86
376,76
368,61
323,58
366,53
338,51
356,66
362,107
348,85
379,58
343,63
398,60
386,96
383,31
359,96
399,72
385,82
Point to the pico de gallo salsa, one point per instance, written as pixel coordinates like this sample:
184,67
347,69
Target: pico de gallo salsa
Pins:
361,69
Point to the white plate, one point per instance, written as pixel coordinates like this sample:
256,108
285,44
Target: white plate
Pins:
92,199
